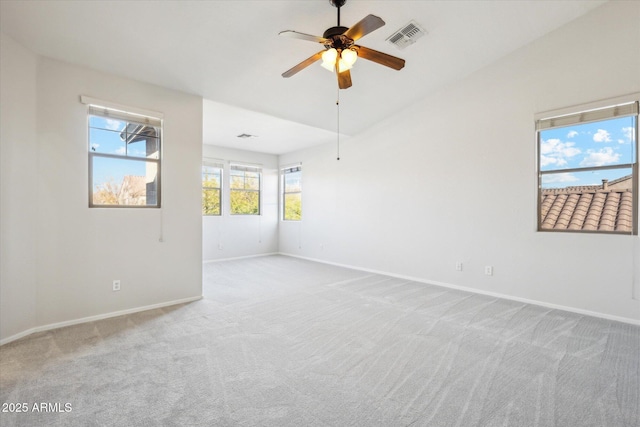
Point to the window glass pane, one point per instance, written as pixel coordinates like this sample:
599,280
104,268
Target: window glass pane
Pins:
124,182
107,123
237,181
211,177
245,202
603,143
586,179
292,181
143,146
118,140
245,180
244,191
600,200
292,196
252,183
211,202
107,142
211,195
293,207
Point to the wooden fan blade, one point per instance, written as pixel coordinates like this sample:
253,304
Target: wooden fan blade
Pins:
344,79
303,36
304,64
380,58
368,24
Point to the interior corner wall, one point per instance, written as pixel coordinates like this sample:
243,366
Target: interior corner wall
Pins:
453,178
18,154
74,252
236,236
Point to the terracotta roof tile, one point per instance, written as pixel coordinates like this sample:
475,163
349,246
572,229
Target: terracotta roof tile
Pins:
625,211
580,212
595,212
606,207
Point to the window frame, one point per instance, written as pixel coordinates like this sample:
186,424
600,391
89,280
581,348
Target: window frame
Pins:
283,172
596,112
220,167
245,168
107,110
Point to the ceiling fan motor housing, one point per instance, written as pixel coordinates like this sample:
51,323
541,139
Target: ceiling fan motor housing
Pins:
338,40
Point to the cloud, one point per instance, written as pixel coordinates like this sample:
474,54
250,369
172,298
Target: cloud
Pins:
606,156
555,152
546,161
559,178
572,134
629,134
121,151
602,136
94,147
112,124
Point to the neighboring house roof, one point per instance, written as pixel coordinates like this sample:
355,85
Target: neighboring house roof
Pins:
135,132
606,207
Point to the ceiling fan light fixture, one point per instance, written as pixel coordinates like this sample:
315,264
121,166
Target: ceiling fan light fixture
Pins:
330,55
329,66
343,66
349,56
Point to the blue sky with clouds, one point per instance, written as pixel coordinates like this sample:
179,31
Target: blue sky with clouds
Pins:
603,143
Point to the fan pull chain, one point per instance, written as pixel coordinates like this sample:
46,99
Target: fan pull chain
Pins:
338,121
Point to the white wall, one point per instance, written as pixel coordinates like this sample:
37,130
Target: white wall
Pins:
453,178
233,236
80,251
18,155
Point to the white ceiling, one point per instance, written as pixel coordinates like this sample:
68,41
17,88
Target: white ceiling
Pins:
229,52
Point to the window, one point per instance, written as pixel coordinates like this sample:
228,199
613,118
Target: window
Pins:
588,170
211,189
244,190
292,194
124,159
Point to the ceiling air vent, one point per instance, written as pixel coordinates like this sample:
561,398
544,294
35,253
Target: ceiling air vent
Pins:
407,35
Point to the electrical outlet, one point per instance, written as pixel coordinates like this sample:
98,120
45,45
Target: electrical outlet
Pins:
459,266
116,285
488,270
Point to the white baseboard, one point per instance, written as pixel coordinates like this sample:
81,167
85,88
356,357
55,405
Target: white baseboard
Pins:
209,261
399,276
477,291
94,318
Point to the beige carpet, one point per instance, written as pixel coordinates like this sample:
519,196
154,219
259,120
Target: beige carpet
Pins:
279,341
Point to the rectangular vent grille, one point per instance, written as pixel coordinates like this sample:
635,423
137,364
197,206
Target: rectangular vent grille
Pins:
407,35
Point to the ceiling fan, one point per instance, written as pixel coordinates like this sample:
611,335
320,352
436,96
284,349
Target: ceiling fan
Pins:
340,51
